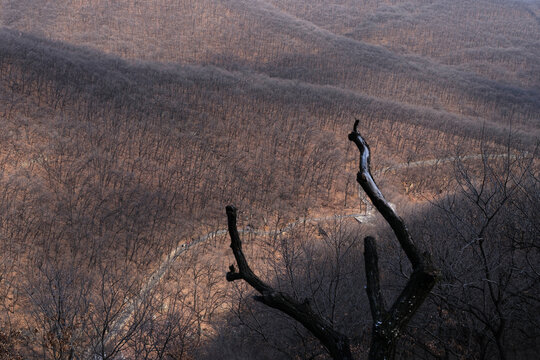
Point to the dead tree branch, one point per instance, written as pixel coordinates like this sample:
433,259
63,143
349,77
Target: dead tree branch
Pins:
336,343
388,324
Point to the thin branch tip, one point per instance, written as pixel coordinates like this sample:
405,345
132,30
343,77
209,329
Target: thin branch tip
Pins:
231,209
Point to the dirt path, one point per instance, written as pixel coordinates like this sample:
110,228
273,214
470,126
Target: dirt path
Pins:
158,274
417,164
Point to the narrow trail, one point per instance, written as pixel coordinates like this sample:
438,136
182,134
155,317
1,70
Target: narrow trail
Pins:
158,274
167,263
432,162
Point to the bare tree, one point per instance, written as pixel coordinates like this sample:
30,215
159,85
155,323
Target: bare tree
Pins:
387,323
488,250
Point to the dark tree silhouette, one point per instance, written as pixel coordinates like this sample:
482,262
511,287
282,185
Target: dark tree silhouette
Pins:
387,323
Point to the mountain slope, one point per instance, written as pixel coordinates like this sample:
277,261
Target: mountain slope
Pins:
257,36
497,39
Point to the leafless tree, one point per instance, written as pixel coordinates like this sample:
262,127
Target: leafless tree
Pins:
387,323
488,251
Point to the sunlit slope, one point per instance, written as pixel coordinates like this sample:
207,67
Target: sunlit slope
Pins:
53,73
498,39
198,132
258,36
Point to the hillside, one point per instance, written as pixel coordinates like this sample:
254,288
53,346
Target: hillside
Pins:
481,37
260,37
127,126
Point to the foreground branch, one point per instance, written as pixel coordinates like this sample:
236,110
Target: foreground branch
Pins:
336,343
387,325
365,180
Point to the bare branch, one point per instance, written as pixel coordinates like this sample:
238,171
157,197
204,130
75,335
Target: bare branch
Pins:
365,180
336,343
388,325
373,287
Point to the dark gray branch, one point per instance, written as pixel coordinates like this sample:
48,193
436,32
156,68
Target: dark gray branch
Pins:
365,180
373,287
336,343
244,271
388,325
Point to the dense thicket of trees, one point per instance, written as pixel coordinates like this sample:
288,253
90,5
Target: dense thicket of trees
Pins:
490,280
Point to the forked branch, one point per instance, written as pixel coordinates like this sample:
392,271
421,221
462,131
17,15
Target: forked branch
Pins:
388,324
336,343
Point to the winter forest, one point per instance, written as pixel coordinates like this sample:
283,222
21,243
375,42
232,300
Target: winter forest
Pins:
179,179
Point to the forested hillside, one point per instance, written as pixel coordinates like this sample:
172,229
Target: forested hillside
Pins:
257,36
127,126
